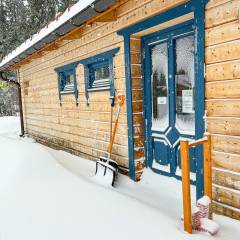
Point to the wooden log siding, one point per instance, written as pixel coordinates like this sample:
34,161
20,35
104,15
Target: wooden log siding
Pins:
223,102
69,126
136,74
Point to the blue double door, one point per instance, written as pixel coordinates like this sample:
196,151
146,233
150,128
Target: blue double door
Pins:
170,102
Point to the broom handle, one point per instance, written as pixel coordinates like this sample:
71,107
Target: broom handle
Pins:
114,132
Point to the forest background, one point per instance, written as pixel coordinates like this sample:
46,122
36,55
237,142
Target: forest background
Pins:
20,20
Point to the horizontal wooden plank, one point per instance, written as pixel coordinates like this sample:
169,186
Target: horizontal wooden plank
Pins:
226,161
75,148
224,125
227,144
226,179
227,197
225,210
223,108
76,126
224,13
223,71
223,33
215,3
223,52
71,138
223,89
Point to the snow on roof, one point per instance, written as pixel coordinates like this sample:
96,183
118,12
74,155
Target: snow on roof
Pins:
66,16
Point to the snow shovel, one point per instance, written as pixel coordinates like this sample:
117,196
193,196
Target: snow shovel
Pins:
106,162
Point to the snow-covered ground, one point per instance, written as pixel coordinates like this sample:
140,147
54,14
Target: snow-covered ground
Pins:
52,195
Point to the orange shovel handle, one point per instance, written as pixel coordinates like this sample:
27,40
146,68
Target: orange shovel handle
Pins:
120,100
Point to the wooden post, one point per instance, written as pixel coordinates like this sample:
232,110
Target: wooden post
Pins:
187,212
208,169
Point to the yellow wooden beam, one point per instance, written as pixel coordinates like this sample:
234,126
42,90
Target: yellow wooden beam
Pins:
74,35
186,191
108,17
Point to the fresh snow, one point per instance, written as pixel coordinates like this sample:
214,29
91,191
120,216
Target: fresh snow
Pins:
53,195
67,15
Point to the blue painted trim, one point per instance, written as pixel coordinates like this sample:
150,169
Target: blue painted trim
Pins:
92,68
86,76
62,72
75,87
198,6
148,42
99,60
161,18
199,13
112,85
181,28
129,107
99,57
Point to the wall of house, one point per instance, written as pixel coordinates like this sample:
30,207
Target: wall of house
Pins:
223,101
84,130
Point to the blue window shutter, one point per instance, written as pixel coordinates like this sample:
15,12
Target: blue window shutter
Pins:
111,69
87,76
62,81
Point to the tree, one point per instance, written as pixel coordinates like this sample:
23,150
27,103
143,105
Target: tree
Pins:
19,20
3,28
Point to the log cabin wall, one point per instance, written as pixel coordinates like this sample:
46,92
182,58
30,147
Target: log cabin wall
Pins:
223,102
84,130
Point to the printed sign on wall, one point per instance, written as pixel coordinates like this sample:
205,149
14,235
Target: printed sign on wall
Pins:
187,101
162,100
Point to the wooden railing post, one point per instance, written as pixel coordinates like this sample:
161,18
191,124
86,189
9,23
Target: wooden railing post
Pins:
208,169
185,164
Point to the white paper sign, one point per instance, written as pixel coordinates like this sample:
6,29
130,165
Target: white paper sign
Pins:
187,101
162,100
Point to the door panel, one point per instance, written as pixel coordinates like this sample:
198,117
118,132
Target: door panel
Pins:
169,82
161,152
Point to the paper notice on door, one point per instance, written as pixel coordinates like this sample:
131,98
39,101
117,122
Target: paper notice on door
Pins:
187,101
161,100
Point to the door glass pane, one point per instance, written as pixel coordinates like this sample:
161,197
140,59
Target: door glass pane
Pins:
160,87
185,113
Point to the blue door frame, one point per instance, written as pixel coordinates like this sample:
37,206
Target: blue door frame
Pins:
198,7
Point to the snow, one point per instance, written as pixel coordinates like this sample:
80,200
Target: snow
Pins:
66,16
205,201
53,195
209,225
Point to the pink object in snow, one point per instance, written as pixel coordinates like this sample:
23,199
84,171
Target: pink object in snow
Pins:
209,226
203,205
200,216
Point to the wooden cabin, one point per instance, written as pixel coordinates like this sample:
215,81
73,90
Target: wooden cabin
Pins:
177,62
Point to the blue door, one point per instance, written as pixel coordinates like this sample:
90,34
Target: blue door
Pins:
170,102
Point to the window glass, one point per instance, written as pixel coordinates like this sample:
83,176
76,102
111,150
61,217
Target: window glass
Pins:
185,113
102,73
99,76
160,87
67,81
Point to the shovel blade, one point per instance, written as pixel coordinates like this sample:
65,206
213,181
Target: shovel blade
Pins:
105,173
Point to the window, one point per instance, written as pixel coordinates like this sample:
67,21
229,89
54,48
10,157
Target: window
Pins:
99,74
99,77
67,80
